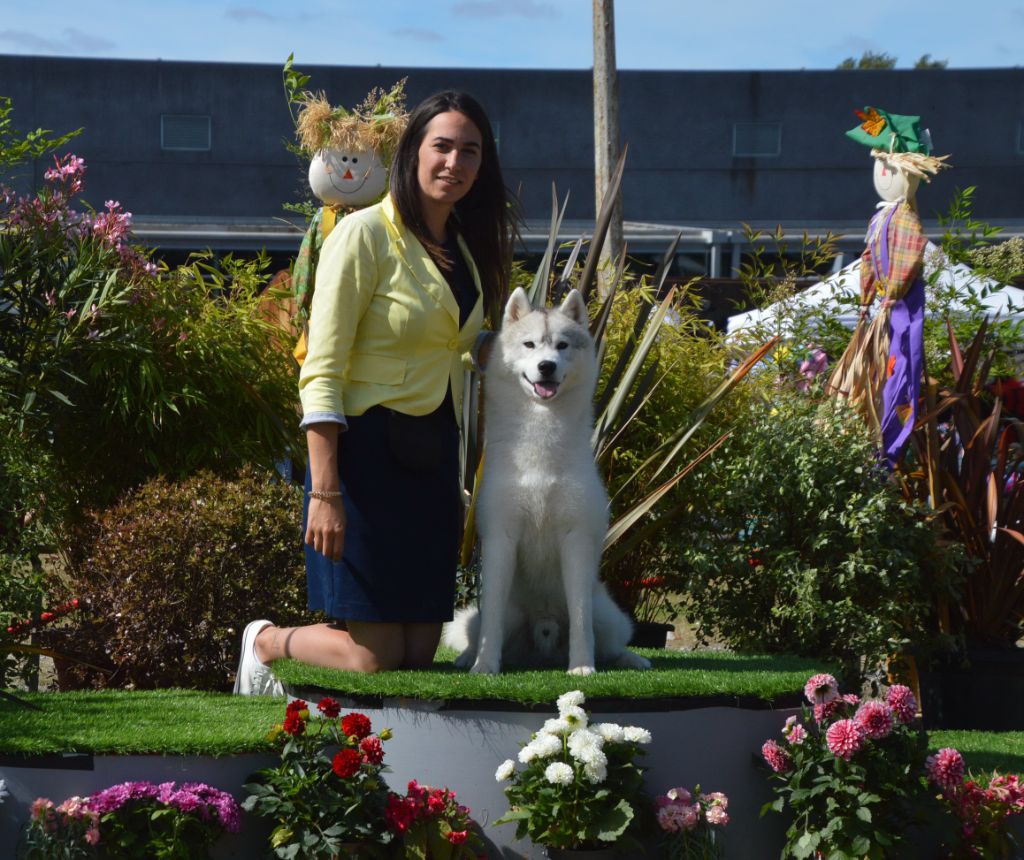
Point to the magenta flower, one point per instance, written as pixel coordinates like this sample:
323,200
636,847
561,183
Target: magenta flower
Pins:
778,759
875,719
946,768
902,702
821,689
844,738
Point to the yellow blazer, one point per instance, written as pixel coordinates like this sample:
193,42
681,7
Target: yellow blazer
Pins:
384,325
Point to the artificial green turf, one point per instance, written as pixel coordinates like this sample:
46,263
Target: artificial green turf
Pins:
674,674
983,751
175,722
185,722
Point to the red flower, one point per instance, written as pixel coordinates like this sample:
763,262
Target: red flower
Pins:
346,763
457,837
296,705
328,707
294,724
373,752
435,803
356,724
400,813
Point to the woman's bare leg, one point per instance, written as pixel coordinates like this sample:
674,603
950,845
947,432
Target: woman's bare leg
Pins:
364,647
420,644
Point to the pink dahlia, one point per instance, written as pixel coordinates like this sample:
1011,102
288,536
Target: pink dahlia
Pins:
875,718
946,768
902,702
794,731
821,689
778,759
825,711
844,738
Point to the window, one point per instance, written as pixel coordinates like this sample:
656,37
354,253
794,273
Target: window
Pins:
187,132
756,139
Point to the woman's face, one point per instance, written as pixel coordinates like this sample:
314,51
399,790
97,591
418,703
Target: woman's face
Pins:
449,158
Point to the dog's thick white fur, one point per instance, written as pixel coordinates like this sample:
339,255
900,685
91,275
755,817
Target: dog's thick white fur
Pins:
542,511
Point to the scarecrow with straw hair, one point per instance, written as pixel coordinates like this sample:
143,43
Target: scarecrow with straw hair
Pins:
350,152
880,371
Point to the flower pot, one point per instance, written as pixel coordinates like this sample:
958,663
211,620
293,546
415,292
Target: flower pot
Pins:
650,634
581,853
982,688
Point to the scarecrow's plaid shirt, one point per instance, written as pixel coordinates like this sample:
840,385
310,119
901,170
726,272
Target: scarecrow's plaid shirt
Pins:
906,257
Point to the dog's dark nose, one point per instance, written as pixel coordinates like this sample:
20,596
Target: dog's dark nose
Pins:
546,368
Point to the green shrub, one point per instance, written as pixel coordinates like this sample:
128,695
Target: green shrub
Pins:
171,575
800,544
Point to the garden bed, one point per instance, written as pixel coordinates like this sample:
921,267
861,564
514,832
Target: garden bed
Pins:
438,739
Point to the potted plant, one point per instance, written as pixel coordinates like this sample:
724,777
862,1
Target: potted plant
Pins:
432,825
132,819
966,461
580,790
850,772
691,823
327,797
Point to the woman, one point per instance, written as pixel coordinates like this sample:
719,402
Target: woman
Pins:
401,294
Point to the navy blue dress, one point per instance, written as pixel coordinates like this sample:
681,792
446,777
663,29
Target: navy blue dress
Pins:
403,503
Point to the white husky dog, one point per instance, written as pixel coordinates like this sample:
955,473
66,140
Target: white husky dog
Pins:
542,510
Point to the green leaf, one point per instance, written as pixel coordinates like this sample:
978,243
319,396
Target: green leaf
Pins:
806,845
864,814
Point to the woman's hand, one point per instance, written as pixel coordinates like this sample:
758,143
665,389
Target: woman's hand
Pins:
325,523
325,527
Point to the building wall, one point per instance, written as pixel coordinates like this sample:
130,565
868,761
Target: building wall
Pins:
678,125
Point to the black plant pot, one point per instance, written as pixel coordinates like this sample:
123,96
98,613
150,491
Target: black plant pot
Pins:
980,688
650,634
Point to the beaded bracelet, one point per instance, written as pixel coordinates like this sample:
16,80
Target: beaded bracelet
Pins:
324,494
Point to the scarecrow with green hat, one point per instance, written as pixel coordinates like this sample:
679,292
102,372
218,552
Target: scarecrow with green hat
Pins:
880,372
350,152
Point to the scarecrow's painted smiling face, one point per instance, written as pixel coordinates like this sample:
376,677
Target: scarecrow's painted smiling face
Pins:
347,177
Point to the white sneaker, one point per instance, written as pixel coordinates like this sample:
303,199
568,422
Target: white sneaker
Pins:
255,678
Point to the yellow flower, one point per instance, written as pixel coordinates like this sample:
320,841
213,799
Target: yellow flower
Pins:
385,735
275,732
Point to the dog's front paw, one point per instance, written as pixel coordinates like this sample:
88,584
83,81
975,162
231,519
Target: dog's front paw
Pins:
582,670
485,667
465,659
629,660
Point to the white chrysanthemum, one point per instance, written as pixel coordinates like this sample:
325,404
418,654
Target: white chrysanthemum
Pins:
546,745
575,716
505,770
611,732
572,699
592,756
556,727
528,753
584,739
559,773
636,734
595,772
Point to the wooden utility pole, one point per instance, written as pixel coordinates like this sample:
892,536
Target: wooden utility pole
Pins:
606,132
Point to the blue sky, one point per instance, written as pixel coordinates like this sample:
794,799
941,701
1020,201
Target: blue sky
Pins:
651,34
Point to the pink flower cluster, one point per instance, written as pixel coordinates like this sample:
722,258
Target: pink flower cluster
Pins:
811,367
72,819
778,759
196,798
682,811
902,702
982,811
946,768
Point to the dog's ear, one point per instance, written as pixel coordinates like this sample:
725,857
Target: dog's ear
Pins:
575,308
518,305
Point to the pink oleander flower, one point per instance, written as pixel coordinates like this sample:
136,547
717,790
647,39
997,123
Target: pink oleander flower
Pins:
946,768
902,702
821,689
875,718
844,738
717,816
778,759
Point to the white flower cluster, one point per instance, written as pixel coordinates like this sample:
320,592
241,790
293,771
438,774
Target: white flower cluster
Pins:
571,732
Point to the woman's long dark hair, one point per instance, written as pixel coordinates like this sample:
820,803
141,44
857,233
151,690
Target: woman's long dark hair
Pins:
485,217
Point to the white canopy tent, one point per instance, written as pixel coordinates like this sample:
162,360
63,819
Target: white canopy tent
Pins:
830,294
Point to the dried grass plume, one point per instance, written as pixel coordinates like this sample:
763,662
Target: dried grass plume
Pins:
377,123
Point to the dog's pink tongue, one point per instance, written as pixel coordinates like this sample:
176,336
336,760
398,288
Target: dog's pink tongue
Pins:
545,389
